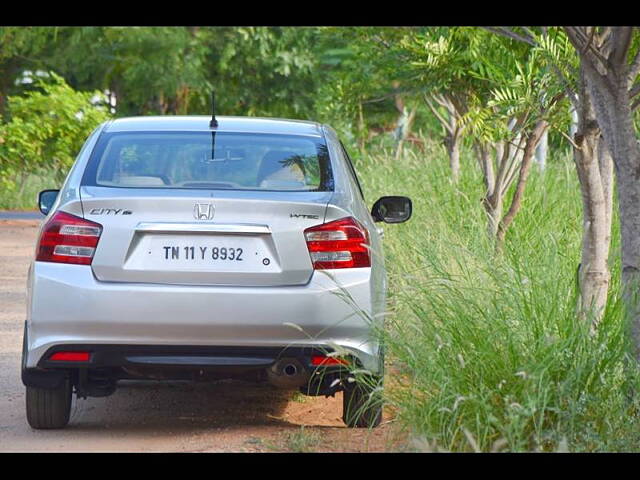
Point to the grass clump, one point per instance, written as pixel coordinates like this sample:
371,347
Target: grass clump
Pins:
486,350
301,441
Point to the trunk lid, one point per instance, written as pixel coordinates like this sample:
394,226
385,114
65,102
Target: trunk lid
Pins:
196,237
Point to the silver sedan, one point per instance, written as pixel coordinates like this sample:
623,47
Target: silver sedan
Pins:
180,250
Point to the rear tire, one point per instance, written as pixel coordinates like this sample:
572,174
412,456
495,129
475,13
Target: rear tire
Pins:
362,404
49,408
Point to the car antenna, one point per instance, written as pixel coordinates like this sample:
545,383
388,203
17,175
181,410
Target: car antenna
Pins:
214,122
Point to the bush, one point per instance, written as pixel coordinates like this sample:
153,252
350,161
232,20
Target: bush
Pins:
46,130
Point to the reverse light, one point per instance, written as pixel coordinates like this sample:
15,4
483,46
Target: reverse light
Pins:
343,243
68,239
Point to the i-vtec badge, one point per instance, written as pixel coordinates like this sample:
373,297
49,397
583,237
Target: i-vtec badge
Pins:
109,211
302,215
203,211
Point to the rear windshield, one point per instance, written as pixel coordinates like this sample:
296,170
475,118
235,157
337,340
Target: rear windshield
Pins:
209,160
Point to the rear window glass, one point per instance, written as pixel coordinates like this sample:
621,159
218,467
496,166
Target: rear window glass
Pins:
210,160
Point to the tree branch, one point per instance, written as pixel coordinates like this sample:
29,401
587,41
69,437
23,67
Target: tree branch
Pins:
571,140
395,93
441,100
621,39
513,166
588,59
604,36
459,103
590,40
502,150
530,33
585,50
571,94
505,32
440,118
580,37
509,158
525,167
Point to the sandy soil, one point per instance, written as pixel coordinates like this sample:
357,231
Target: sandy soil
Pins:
226,416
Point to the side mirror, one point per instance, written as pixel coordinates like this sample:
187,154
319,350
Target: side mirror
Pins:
392,209
46,199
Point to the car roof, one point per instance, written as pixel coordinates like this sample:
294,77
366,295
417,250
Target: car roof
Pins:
225,124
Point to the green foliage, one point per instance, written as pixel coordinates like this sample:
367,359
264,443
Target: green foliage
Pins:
150,69
263,70
171,70
16,41
363,74
18,45
47,127
491,79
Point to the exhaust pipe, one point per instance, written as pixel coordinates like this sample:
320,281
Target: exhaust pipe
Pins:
288,373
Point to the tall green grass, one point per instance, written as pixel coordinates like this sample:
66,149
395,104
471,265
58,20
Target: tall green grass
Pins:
25,196
485,351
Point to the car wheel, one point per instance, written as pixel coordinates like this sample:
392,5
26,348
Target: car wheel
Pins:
49,408
362,404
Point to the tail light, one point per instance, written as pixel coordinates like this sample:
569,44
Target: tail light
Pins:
343,243
68,239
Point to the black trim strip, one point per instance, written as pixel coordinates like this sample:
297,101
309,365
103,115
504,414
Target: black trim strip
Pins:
179,356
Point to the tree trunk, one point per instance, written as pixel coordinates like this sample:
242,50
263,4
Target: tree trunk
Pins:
595,173
455,108
180,104
362,130
613,108
629,205
494,201
542,151
117,92
23,176
403,130
493,205
594,272
513,157
453,150
573,127
483,155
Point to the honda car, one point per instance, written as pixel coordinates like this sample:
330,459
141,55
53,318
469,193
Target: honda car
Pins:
184,249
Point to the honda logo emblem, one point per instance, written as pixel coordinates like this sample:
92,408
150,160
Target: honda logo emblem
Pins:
203,211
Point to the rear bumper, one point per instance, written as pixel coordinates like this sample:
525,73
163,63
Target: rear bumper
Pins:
68,306
173,357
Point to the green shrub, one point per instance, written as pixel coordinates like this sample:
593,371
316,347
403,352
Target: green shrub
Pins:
45,132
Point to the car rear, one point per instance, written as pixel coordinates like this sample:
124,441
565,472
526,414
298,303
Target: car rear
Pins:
180,251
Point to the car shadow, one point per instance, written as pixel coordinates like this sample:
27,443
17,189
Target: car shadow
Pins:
185,405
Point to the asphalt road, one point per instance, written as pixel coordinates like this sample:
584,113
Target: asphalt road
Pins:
160,417
16,215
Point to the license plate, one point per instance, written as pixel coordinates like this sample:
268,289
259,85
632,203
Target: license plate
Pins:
204,253
214,253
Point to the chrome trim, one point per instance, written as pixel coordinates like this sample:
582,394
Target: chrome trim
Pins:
245,228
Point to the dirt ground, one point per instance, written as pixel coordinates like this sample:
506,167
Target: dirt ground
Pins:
225,416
